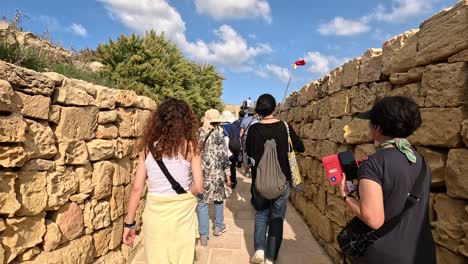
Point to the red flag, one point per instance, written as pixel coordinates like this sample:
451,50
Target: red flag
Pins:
300,62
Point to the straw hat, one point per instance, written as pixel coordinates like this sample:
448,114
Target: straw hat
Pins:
213,116
228,117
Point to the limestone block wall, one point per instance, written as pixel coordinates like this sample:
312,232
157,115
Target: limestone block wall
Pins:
428,64
67,161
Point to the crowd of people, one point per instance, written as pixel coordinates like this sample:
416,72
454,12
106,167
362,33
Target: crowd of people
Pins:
189,166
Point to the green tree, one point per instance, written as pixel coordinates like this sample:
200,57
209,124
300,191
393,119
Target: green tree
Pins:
153,66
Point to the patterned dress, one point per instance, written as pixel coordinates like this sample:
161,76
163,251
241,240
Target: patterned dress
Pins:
215,165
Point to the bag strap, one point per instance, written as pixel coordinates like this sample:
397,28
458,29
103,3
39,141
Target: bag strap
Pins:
289,137
248,126
412,199
206,138
175,185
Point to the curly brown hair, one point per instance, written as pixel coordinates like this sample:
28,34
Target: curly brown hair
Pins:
172,129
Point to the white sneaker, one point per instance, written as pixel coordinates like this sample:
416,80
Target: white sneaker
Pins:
268,261
258,257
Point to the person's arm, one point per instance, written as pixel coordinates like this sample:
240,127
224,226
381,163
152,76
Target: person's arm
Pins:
298,145
241,132
370,207
134,199
197,173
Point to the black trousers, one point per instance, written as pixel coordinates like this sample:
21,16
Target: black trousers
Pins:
233,159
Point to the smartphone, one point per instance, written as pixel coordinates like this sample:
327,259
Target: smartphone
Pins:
333,168
348,164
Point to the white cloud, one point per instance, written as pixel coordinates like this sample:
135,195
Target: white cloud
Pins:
343,27
234,9
321,64
280,72
401,10
230,50
79,30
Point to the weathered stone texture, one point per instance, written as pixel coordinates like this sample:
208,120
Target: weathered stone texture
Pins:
117,202
144,102
68,95
99,149
26,80
445,84
105,97
13,156
105,117
127,124
31,192
436,161
77,122
12,128
61,184
451,215
440,127
125,98
78,251
52,237
7,98
103,172
107,131
457,173
351,72
69,218
124,147
40,140
22,233
362,98
399,53
370,69
412,91
357,132
413,75
71,152
464,132
36,106
461,56
38,165
84,175
443,35
97,214
8,202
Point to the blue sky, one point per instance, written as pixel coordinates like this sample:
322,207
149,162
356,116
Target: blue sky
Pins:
251,42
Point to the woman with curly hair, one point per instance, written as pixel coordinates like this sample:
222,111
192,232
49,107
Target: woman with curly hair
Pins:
168,151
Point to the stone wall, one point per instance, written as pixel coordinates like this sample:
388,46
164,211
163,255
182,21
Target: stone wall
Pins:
428,64
67,161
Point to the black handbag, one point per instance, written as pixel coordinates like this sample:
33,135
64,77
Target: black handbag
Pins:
356,236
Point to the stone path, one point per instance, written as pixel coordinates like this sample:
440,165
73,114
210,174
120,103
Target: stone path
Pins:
236,245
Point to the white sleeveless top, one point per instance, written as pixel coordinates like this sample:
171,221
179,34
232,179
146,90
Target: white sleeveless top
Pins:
158,183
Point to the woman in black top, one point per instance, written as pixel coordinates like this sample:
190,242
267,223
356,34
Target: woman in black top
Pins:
385,179
270,213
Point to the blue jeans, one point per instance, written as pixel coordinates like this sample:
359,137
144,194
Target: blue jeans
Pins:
271,218
204,217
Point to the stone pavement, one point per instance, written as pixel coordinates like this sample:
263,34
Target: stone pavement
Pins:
236,245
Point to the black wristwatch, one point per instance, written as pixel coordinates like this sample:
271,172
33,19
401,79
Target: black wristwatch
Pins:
132,225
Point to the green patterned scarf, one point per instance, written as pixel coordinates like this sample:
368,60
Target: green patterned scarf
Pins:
403,145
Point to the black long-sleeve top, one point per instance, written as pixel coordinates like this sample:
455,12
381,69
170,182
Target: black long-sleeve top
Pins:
259,133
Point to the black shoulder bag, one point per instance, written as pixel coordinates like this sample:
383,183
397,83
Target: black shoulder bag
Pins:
356,237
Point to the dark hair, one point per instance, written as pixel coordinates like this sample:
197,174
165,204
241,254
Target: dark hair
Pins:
173,126
266,105
241,114
397,116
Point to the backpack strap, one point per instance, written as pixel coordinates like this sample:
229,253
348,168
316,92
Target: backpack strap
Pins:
412,199
175,185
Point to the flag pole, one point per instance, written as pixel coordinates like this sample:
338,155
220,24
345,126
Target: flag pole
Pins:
287,86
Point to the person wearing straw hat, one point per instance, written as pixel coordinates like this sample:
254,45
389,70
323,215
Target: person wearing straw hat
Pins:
215,163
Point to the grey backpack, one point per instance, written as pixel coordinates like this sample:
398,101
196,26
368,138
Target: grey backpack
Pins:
270,182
